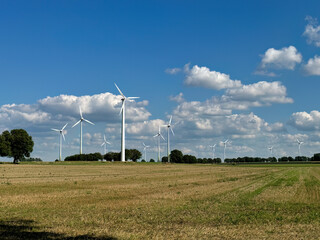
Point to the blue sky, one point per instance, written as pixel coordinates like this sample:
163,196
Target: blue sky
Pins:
244,70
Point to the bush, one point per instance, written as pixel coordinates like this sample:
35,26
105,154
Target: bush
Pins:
85,157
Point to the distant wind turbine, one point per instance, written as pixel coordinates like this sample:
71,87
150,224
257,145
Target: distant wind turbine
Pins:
80,121
270,149
299,144
123,110
145,151
169,126
61,136
224,150
213,150
105,142
159,135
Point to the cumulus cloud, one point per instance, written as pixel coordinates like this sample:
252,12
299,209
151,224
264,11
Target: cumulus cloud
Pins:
285,58
312,31
313,66
53,110
145,128
262,92
305,121
179,98
204,77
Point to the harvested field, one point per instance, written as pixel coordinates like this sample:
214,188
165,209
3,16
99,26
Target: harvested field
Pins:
159,201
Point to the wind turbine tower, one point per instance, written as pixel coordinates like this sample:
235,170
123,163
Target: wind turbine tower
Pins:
213,150
123,110
145,151
224,150
169,126
299,145
105,142
159,135
80,121
61,135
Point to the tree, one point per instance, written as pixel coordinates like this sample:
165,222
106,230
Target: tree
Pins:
176,156
17,144
164,159
135,154
5,144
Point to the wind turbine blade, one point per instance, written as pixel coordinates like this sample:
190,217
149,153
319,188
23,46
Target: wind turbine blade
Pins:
76,123
104,138
170,120
119,90
162,137
108,142
172,131
156,135
144,144
103,144
176,123
88,121
131,98
64,127
55,129
164,125
214,145
63,136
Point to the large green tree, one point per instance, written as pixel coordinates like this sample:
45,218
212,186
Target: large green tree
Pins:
17,144
176,156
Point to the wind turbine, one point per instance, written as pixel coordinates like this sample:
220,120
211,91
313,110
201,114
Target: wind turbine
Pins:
123,110
80,121
213,150
299,144
145,151
169,126
270,149
61,135
159,135
224,150
105,142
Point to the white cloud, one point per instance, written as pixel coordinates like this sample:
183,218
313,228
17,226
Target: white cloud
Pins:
50,111
179,98
285,58
203,77
173,71
305,121
262,92
312,31
313,66
145,128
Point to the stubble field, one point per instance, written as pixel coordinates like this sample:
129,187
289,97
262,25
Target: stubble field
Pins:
159,201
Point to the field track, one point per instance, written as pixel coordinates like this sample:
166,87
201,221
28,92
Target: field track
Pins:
159,201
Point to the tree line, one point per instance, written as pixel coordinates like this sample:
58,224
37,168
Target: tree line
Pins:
131,154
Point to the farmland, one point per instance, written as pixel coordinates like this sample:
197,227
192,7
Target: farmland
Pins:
159,201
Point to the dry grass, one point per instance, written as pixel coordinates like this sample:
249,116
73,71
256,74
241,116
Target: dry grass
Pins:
158,201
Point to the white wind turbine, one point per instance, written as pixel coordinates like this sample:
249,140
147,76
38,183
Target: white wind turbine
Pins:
61,136
213,150
80,121
159,135
123,110
224,150
169,126
105,142
270,149
145,151
299,144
